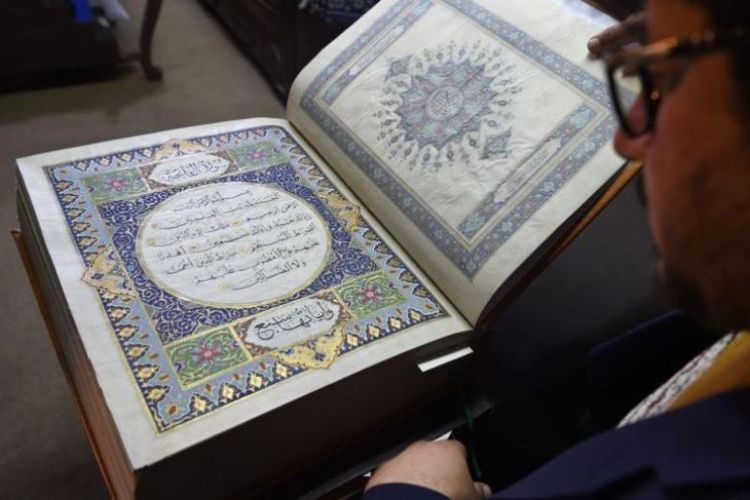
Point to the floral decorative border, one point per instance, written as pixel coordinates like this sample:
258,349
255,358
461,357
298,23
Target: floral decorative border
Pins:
493,232
101,228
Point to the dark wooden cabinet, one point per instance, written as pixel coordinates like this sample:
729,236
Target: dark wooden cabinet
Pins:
42,42
281,37
277,34
42,36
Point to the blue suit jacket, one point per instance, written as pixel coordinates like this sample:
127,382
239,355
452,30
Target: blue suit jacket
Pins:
699,452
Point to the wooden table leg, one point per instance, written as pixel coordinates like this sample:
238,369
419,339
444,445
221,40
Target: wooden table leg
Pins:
150,16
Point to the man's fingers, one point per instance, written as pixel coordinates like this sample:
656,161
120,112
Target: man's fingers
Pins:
457,446
447,446
440,466
482,490
632,29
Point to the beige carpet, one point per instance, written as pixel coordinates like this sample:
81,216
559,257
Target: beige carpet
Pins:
43,451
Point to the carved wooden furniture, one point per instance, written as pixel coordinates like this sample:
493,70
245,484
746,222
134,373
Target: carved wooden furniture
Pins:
43,41
278,35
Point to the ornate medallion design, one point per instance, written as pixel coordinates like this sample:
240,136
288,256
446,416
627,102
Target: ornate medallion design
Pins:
453,103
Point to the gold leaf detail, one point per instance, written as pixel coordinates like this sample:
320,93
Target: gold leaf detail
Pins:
352,340
117,313
156,394
395,323
415,316
126,332
136,352
281,370
145,373
374,331
255,381
228,392
199,404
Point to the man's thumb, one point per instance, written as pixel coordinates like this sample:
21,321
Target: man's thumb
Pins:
482,490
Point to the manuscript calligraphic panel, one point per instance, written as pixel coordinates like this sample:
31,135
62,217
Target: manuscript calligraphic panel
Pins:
480,124
233,244
467,131
229,264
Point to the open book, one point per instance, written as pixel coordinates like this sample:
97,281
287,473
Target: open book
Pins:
275,286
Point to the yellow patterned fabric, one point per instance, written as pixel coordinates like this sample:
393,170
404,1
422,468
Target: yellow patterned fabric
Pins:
729,371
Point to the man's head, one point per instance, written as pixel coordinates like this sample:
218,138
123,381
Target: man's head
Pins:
697,164
726,15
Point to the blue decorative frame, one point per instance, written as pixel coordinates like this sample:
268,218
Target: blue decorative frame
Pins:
321,94
141,322
175,318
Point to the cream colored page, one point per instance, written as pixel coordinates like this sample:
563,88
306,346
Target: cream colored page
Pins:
472,129
144,440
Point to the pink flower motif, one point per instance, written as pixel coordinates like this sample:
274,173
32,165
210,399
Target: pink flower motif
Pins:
258,154
371,294
118,184
206,354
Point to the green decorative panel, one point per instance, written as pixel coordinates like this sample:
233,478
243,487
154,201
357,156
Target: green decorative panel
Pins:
201,357
115,185
260,154
369,293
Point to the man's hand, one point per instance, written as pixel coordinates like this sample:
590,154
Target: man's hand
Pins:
440,466
631,30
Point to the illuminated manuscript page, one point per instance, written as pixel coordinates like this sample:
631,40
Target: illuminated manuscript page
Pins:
471,128
216,273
